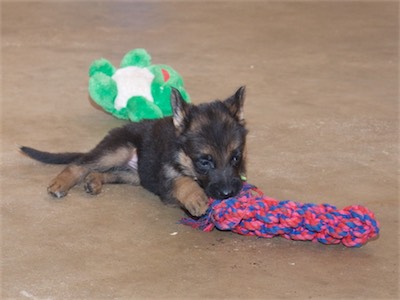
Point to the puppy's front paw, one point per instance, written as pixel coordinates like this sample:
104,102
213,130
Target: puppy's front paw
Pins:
191,196
197,203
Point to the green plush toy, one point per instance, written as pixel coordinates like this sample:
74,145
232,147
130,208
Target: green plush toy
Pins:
137,90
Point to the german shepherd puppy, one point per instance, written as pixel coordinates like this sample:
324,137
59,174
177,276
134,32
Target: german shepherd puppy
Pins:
197,153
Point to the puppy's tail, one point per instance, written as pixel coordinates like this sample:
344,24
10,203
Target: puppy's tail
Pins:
51,158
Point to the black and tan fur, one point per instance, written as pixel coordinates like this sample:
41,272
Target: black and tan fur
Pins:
197,153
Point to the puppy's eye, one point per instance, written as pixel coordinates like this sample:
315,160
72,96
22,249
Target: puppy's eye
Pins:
205,163
236,158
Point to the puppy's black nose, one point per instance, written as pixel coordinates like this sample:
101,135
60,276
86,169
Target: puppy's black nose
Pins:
226,193
223,190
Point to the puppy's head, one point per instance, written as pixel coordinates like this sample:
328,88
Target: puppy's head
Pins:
212,140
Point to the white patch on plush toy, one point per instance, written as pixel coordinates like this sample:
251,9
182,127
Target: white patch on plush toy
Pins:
132,81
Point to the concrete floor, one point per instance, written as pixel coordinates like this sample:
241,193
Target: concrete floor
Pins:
322,109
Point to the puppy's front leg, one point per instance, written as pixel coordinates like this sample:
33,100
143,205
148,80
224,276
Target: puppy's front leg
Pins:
190,195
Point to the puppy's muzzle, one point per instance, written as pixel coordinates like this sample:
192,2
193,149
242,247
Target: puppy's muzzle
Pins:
224,190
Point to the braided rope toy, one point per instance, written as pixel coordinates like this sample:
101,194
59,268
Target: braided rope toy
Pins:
252,213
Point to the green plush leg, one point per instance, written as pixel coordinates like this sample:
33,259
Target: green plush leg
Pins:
103,66
103,90
137,57
139,108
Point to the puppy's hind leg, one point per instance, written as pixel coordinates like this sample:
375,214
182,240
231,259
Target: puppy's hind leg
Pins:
112,153
105,164
95,180
68,178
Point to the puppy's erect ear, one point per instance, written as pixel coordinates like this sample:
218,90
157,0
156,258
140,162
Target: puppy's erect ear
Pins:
235,103
179,110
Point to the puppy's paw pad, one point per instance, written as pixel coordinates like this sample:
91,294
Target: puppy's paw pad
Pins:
92,188
93,185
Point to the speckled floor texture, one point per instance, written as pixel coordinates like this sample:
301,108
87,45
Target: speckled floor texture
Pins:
322,112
